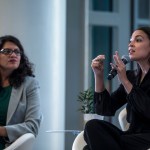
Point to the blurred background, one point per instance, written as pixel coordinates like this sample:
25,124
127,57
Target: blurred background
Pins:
61,37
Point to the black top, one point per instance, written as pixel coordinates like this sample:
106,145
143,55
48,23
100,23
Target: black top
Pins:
138,102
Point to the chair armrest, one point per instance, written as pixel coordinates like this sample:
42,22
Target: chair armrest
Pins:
79,142
24,142
122,120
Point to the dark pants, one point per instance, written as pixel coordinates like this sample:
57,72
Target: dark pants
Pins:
102,135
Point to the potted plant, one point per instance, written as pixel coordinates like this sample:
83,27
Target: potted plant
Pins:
86,98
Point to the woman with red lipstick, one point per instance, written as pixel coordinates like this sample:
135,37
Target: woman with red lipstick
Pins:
19,93
134,91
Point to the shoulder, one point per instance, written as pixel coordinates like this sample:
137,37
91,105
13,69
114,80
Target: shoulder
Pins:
31,82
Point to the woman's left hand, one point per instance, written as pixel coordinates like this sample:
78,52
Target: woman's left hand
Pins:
120,67
121,70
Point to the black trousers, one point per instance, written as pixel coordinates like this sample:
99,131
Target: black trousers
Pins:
102,135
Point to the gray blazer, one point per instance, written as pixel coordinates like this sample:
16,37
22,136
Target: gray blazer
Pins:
24,113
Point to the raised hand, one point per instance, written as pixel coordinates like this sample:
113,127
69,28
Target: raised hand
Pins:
121,70
120,67
98,69
98,65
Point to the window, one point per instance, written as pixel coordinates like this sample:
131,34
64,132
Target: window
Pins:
107,29
143,9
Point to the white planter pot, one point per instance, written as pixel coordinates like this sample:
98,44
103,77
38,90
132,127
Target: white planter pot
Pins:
88,117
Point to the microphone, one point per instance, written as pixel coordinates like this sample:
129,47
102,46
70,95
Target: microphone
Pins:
113,72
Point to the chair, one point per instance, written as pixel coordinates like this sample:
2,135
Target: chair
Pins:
79,142
24,142
122,120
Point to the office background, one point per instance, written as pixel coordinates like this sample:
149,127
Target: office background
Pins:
61,37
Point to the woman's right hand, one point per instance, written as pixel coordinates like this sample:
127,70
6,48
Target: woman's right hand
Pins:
98,65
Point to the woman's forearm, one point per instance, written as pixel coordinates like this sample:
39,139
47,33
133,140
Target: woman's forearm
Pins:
99,84
128,86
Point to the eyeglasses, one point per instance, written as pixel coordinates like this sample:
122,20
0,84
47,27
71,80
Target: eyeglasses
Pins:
7,51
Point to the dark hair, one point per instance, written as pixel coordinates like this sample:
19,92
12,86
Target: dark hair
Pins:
25,67
146,30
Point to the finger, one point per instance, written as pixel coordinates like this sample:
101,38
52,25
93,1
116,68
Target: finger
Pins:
116,60
113,66
96,64
118,57
99,58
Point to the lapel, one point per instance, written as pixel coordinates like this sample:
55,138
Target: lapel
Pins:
14,100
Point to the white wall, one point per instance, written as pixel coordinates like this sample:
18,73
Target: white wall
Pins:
40,25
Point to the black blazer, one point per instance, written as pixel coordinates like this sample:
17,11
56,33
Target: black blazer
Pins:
138,102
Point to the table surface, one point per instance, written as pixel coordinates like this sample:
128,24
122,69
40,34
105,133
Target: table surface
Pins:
75,132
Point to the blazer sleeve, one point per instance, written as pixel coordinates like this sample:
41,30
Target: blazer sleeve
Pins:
106,104
139,101
27,116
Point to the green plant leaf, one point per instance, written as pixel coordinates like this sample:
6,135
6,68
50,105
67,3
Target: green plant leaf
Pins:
86,99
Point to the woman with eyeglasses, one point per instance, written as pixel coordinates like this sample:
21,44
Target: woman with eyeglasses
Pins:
134,91
19,93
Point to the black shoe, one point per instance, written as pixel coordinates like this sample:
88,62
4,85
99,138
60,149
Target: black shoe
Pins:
86,147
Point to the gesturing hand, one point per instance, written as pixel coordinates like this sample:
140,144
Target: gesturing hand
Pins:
120,67
97,65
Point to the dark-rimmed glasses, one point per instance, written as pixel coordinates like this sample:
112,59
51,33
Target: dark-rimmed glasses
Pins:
8,51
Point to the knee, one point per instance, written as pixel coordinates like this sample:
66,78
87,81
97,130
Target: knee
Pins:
92,124
91,128
88,130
